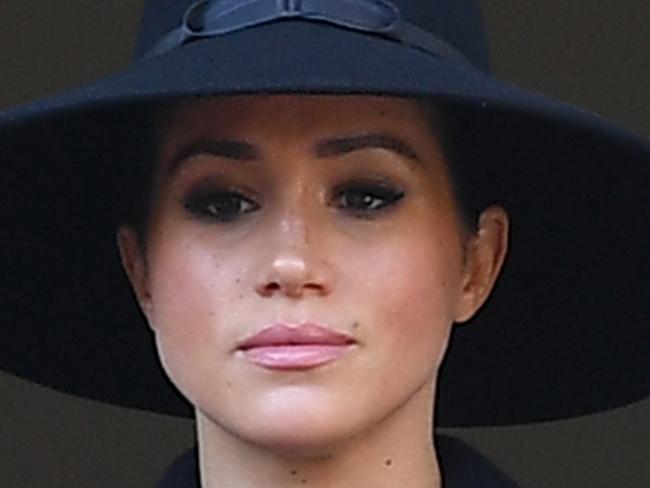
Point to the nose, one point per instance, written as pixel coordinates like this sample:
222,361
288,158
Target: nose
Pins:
295,259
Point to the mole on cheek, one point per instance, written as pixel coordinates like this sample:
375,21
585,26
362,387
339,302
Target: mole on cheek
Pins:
388,462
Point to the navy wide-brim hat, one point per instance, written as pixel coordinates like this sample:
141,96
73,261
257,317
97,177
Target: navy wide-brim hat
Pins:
566,330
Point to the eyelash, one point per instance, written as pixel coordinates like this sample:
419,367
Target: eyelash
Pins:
201,203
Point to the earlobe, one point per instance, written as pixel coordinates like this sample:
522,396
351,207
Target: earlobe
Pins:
485,257
134,266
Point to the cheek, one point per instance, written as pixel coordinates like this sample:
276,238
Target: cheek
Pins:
189,291
413,283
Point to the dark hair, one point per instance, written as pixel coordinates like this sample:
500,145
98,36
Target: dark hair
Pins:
133,189
456,131
450,124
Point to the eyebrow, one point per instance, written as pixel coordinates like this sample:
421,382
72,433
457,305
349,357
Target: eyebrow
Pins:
342,145
244,151
230,149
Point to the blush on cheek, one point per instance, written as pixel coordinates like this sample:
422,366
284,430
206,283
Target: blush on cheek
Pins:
179,294
186,298
414,286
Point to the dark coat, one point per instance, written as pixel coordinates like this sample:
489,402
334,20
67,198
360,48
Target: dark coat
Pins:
461,465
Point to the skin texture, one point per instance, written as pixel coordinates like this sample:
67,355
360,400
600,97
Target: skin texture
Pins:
298,249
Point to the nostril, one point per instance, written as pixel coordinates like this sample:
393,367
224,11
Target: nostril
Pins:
289,290
313,286
268,289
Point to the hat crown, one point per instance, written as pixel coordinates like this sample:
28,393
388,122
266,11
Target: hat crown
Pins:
457,22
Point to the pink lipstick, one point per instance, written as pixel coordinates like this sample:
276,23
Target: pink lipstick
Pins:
284,346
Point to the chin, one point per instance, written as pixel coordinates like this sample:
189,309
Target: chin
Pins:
294,423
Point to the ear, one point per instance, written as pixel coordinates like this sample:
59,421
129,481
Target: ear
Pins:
135,266
485,255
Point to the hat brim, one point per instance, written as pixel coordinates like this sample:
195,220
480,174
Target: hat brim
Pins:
564,333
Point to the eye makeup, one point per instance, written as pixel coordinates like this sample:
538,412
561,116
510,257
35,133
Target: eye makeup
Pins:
361,198
217,203
365,199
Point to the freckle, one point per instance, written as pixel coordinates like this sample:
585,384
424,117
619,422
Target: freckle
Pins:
237,280
303,481
294,472
241,296
388,462
355,325
229,383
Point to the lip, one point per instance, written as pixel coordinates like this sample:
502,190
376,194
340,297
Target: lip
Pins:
285,334
295,357
287,346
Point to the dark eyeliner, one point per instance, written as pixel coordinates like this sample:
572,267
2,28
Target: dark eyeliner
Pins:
376,189
223,199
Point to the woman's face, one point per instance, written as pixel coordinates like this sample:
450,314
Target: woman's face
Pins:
335,210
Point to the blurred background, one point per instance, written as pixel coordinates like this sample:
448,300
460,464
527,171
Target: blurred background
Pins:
591,53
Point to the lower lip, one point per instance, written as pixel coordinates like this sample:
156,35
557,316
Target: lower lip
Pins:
296,356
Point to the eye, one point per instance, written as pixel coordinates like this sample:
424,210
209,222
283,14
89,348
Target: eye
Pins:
218,205
367,199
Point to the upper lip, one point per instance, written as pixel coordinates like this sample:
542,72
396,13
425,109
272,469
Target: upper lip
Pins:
283,333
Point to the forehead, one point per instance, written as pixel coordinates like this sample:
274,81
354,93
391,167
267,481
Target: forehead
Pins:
291,115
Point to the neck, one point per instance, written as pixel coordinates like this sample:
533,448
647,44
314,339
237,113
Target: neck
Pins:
396,451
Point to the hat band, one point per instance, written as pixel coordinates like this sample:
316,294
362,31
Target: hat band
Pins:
210,18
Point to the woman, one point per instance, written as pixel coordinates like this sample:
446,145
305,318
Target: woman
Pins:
446,173
278,210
